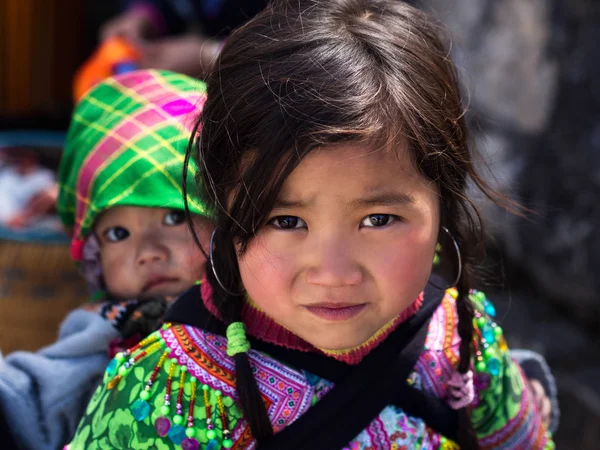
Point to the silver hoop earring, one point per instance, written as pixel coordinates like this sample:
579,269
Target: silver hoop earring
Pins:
458,256
212,263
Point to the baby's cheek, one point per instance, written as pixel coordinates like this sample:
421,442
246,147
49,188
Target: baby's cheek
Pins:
194,256
195,262
117,275
117,280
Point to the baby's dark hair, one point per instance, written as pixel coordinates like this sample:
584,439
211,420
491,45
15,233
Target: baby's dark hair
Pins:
306,74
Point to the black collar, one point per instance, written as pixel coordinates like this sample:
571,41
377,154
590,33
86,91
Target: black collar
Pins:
189,309
349,407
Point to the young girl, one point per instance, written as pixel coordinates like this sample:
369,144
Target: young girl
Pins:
120,194
338,312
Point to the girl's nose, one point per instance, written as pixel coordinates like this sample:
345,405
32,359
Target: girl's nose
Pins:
333,265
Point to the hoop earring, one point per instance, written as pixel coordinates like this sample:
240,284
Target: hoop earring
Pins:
458,257
212,263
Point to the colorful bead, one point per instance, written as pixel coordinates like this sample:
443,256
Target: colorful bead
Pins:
177,434
480,366
111,369
488,334
191,407
190,444
140,409
114,382
482,381
481,321
207,410
493,367
182,372
162,426
212,445
223,415
489,309
502,343
180,428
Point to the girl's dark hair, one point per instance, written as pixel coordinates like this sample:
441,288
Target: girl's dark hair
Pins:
310,73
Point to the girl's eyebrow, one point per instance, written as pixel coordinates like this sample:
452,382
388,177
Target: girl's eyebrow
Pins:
282,203
381,198
389,198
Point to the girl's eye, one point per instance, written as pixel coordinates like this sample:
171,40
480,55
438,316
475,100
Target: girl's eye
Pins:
174,218
378,220
116,234
287,222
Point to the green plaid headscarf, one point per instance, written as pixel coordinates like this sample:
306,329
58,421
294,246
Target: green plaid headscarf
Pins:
126,146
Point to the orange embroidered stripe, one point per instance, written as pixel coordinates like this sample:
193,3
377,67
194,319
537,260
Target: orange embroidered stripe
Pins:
201,358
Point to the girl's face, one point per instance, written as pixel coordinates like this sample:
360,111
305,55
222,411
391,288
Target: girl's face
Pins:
348,246
149,251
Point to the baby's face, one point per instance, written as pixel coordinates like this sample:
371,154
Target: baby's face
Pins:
149,251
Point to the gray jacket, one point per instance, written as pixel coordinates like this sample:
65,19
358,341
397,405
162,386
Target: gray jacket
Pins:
43,395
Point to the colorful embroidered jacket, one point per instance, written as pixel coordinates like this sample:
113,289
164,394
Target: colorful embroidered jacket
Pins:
176,389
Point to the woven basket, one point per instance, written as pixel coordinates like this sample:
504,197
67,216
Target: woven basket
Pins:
39,283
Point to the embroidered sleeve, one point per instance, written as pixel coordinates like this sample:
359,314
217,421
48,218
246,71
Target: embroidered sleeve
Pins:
504,414
149,401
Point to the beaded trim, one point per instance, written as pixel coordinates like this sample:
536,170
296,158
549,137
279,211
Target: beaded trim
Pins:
181,430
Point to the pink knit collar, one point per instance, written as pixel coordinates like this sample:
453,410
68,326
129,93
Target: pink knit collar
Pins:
261,326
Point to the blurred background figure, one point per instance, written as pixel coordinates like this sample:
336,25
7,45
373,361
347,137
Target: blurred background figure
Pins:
532,86
183,36
180,35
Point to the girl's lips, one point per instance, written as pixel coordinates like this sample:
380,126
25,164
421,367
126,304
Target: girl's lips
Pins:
333,311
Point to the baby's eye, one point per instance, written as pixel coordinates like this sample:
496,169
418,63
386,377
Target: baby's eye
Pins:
174,217
287,222
378,220
116,234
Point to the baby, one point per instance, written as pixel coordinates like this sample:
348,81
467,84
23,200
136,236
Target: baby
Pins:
121,198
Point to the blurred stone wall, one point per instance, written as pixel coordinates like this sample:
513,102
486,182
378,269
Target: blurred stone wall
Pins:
531,71
532,76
